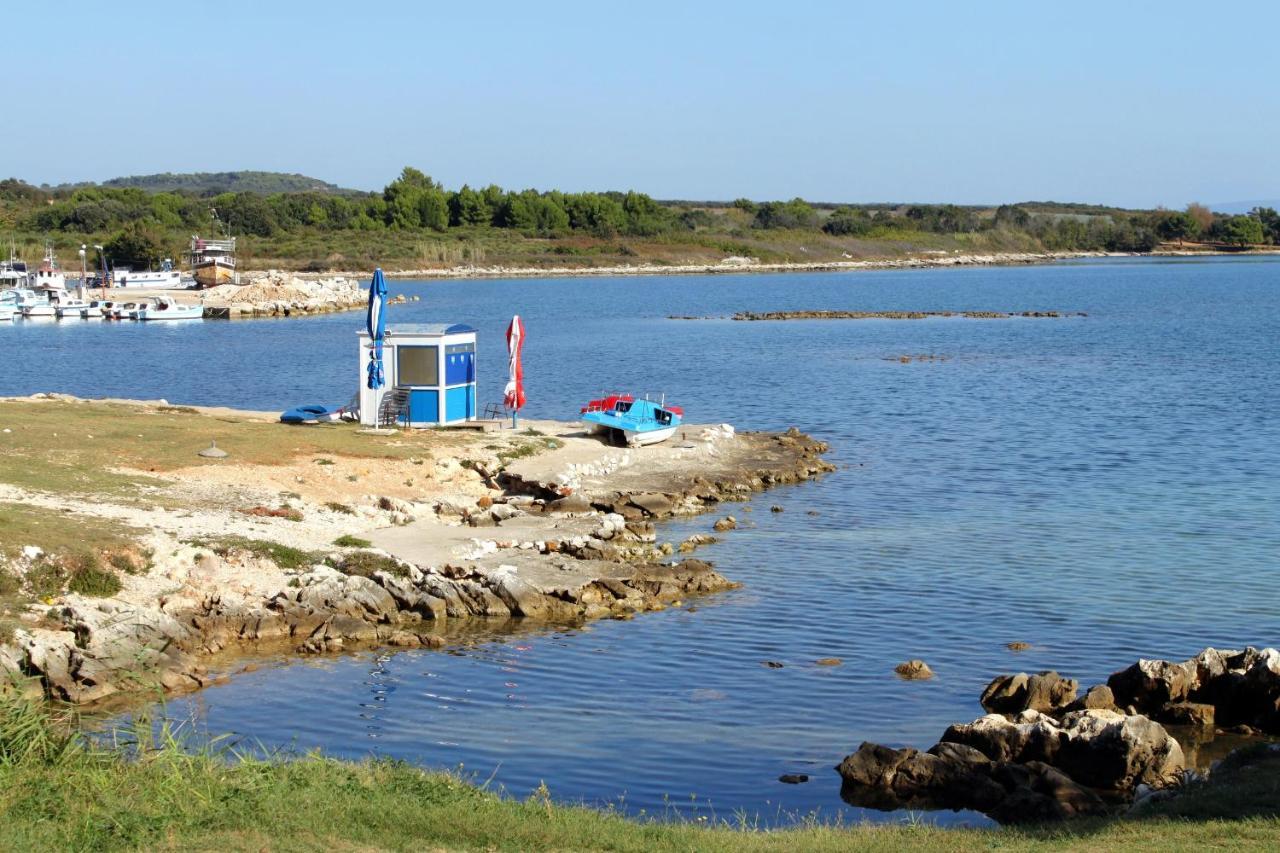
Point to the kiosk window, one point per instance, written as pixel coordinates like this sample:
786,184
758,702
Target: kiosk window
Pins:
417,366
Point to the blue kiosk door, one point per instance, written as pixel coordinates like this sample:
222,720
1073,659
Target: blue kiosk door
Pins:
424,406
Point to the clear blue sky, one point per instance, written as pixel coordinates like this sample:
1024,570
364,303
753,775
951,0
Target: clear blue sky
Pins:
1129,103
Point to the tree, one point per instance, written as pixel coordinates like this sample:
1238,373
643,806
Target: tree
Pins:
1174,225
1238,230
137,246
468,207
785,214
645,217
1202,215
595,213
1270,221
848,221
1012,217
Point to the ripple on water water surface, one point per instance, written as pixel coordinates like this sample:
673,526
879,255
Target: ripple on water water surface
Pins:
1103,487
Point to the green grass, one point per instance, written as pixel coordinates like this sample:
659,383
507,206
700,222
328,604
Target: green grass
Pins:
59,791
525,449
346,540
284,556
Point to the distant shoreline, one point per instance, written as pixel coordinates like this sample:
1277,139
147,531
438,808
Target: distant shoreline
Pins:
733,266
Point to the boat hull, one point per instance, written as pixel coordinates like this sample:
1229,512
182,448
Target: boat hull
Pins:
212,275
653,436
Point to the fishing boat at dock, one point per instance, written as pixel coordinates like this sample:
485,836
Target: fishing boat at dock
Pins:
48,277
166,277
632,422
213,262
166,308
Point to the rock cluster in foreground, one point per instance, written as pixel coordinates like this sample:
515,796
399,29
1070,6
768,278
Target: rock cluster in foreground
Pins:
1045,753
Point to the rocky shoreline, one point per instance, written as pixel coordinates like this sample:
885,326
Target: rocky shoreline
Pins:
556,537
1044,753
738,265
279,294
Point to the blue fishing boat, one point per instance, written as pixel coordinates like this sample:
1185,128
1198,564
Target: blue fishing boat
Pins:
634,422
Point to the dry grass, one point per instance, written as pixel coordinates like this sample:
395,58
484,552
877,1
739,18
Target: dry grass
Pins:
112,449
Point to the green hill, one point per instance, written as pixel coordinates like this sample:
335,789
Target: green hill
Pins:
212,183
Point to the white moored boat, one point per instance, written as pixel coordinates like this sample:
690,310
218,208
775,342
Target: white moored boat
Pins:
7,311
70,308
165,277
97,309
138,308
13,273
122,310
165,308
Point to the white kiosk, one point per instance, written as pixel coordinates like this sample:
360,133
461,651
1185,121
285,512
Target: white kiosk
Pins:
431,367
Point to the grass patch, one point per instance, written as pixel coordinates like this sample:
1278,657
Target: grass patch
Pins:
348,541
366,563
89,577
59,533
97,440
345,509
283,556
64,792
525,449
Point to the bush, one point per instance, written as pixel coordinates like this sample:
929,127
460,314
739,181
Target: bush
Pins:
46,579
366,563
282,555
96,582
346,541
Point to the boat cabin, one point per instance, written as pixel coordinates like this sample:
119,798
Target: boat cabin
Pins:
430,375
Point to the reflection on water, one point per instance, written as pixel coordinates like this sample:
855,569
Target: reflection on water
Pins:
1103,488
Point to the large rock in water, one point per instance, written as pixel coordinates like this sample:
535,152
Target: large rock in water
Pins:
954,776
1099,748
883,778
1152,684
1043,692
1242,686
1034,738
1107,749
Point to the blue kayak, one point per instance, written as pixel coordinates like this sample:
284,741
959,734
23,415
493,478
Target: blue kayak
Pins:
310,414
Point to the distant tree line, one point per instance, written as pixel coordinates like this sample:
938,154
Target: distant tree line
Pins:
139,223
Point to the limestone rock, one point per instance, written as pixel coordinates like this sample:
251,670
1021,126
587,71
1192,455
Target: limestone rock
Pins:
1151,684
1187,714
1044,692
913,670
1110,750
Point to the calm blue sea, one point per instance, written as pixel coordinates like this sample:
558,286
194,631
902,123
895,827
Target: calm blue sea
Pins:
1102,487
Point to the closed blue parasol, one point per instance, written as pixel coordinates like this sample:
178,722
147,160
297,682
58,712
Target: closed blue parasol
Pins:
377,327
